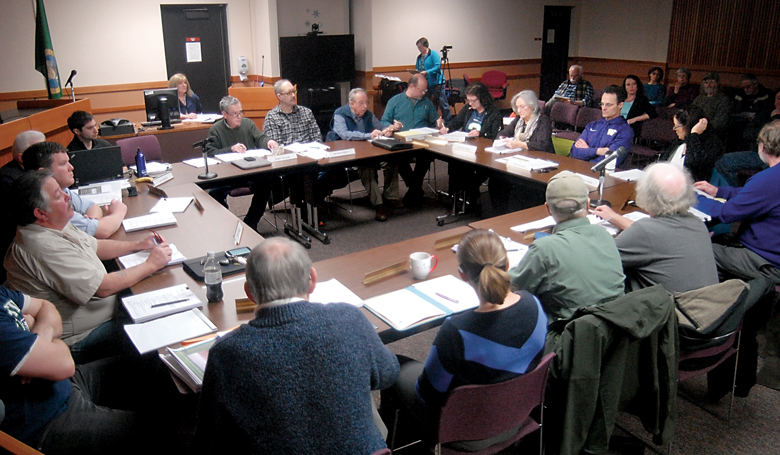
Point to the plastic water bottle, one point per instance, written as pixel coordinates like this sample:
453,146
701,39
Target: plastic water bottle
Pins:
212,275
140,164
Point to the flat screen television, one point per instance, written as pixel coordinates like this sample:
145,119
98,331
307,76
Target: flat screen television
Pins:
162,105
313,59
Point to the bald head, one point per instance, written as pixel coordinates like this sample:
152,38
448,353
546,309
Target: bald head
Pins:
24,140
665,189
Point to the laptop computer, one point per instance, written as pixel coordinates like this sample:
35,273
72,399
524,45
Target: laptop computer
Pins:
97,165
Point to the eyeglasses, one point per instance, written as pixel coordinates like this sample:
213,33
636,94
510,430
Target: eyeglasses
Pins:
677,127
291,92
470,101
236,114
421,90
520,106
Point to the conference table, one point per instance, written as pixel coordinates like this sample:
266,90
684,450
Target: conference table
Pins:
213,229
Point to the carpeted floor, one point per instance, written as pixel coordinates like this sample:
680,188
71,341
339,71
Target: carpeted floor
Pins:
701,426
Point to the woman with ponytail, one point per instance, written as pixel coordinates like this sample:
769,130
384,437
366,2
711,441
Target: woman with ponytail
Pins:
501,339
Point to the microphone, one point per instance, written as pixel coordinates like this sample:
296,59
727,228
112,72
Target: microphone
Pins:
70,78
262,76
203,142
609,158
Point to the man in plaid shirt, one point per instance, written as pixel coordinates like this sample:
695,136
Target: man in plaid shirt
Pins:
288,122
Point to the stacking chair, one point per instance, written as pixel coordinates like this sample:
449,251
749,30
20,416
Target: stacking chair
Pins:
479,412
148,144
496,83
585,115
656,136
563,116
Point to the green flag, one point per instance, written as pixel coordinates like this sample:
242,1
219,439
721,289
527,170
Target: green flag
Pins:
45,63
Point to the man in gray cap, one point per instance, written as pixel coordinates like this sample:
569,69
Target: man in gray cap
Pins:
578,265
715,104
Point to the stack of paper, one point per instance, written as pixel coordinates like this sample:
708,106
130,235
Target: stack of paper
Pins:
189,362
631,175
103,193
500,147
529,164
162,302
228,157
334,291
168,330
455,136
198,162
150,221
538,224
140,257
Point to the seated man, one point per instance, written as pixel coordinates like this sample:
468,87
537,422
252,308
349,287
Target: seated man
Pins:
354,122
575,89
578,265
287,122
237,134
48,406
85,132
14,168
755,251
753,98
672,247
52,260
313,367
87,216
715,104
405,111
609,133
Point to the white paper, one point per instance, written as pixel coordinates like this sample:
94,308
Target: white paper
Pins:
702,193
172,204
538,224
455,136
141,307
140,257
334,291
631,175
530,164
453,293
198,162
152,220
193,52
168,330
423,131
103,193
228,157
204,118
633,216
297,147
402,309
589,181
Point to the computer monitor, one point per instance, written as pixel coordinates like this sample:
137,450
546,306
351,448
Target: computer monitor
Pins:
162,105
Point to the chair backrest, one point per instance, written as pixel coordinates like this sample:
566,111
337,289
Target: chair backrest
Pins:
541,105
466,78
564,114
597,93
148,144
586,115
475,412
658,130
494,79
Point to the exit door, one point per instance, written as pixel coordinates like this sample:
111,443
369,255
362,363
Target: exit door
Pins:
555,49
196,44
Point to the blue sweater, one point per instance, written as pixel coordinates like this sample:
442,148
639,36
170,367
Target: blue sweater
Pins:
604,133
296,379
483,348
757,205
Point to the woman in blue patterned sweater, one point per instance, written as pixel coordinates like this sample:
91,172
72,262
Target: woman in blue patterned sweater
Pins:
501,339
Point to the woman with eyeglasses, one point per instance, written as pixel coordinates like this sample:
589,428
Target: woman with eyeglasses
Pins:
531,129
480,117
189,102
508,329
655,89
636,107
696,149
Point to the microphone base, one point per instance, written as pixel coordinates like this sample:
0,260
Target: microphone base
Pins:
599,202
207,176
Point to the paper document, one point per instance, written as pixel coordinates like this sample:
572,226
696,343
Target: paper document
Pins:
514,251
297,147
189,362
530,164
228,157
153,168
702,193
502,149
631,175
589,181
198,162
451,292
702,216
538,224
103,193
172,204
166,331
613,231
152,305
334,291
131,260
403,309
455,136
203,118
424,131
150,221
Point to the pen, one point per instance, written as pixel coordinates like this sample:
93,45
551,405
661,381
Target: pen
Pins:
624,204
446,298
168,303
157,238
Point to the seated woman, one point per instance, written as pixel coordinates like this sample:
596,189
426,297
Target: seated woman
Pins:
189,102
696,149
531,129
655,90
480,119
508,329
636,108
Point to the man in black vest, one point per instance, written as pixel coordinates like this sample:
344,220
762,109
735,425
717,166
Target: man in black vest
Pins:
354,122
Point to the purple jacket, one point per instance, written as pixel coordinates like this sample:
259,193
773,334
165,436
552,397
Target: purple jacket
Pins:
602,133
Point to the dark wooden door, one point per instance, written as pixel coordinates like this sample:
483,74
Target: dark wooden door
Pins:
555,49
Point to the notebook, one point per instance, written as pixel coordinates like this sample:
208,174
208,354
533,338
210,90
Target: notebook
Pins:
97,165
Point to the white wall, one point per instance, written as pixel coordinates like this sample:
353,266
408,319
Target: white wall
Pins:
621,29
361,24
296,16
108,42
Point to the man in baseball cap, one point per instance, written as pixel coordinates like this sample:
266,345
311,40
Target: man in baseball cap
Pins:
578,265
